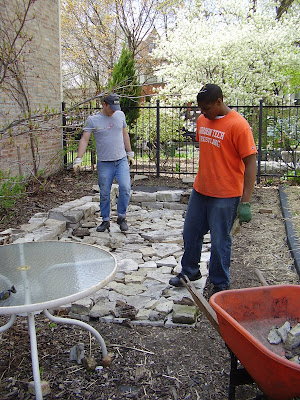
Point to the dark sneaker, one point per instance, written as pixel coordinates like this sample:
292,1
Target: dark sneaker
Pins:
121,221
102,228
217,289
210,289
177,282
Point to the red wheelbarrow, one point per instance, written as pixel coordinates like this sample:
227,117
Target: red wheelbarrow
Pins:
244,318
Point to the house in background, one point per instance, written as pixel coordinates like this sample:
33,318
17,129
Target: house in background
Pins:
146,66
29,148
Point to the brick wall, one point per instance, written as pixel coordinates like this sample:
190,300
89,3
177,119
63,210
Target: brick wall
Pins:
41,82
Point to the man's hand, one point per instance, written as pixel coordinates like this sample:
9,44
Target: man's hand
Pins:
130,157
244,212
77,164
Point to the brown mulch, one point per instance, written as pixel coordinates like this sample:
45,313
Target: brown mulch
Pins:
148,362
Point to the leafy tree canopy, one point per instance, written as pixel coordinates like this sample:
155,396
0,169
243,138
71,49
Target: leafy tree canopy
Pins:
247,51
124,82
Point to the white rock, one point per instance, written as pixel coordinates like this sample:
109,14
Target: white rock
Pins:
164,306
148,264
153,204
284,330
131,289
293,338
139,177
143,314
273,336
165,270
134,278
168,262
169,195
165,250
155,274
147,251
38,218
138,302
205,257
175,224
127,265
139,197
100,310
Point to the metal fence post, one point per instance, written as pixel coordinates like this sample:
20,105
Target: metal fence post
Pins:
157,139
64,142
259,139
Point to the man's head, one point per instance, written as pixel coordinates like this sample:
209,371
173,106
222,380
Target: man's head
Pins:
210,101
113,101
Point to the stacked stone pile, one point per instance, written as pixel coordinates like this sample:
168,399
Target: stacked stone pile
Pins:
147,255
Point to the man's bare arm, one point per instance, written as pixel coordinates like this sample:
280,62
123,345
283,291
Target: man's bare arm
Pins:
126,140
249,177
83,143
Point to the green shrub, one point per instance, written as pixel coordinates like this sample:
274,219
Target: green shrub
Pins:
12,189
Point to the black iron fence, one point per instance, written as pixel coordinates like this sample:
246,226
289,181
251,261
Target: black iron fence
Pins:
163,138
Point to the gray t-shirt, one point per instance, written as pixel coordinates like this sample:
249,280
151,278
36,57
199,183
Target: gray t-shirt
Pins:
108,133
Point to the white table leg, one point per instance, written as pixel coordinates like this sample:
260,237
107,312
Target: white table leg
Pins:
34,358
9,324
82,324
34,353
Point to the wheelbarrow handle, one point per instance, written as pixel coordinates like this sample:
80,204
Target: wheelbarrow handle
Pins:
260,277
202,304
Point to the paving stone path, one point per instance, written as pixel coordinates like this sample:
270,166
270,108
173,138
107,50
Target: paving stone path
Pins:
147,255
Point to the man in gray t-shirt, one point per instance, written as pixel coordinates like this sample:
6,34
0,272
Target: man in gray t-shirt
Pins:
113,146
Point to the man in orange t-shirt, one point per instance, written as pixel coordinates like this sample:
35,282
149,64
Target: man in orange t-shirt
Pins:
222,188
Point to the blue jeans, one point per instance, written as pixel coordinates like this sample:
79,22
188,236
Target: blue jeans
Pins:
217,216
107,171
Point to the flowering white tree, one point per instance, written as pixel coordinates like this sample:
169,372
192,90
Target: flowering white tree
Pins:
250,54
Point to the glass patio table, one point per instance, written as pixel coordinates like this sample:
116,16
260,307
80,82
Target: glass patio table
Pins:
38,276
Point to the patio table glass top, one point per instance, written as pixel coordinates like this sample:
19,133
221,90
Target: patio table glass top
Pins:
39,275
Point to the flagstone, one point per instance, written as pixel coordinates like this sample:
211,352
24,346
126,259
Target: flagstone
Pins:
134,278
151,304
165,250
184,314
120,255
129,289
155,274
205,256
148,264
168,262
169,195
147,251
100,310
138,301
164,306
143,271
143,314
147,255
175,224
127,265
114,296
165,270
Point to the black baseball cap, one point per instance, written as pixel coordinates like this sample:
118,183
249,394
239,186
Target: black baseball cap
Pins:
113,100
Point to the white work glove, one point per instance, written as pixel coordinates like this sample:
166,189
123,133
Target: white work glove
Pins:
130,157
77,164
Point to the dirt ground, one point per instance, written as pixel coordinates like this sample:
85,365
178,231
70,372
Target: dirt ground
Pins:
147,362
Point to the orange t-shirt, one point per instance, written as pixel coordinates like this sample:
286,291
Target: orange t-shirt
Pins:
223,143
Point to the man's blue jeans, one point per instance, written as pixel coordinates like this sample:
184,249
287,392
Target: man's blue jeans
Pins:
217,216
107,171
